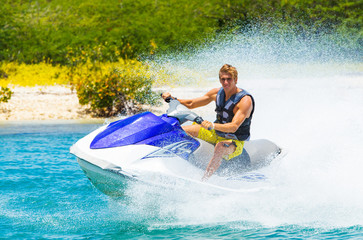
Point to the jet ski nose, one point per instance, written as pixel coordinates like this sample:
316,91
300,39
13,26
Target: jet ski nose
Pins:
131,130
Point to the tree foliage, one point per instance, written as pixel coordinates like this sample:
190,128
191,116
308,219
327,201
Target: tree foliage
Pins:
32,31
5,94
119,88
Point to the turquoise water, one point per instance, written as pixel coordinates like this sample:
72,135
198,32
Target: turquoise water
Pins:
45,195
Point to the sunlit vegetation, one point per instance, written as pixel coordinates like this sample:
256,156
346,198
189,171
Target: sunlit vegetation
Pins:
30,75
107,87
92,46
114,87
5,94
31,31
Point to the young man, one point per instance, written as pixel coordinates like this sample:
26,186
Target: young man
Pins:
234,108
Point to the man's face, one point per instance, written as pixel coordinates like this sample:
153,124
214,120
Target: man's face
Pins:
227,81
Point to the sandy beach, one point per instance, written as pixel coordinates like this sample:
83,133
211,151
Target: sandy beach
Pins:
60,103
43,103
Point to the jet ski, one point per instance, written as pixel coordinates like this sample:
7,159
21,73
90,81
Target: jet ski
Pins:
154,150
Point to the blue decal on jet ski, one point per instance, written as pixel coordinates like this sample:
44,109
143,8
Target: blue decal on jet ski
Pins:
182,149
144,128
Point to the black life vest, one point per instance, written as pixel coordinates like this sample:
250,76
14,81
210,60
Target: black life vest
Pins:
225,114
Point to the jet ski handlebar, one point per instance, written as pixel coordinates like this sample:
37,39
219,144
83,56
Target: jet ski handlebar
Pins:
181,112
168,99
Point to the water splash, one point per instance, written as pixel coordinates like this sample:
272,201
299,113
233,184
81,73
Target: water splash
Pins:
309,95
268,52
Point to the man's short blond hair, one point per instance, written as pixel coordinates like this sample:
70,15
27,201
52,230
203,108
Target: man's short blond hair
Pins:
226,68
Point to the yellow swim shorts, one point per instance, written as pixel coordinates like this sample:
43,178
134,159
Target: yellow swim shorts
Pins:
212,137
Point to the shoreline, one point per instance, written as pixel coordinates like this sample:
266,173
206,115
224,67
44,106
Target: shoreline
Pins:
59,105
43,103
52,121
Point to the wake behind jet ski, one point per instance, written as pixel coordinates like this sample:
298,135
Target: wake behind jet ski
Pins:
155,150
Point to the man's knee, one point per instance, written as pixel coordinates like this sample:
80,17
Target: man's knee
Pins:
192,130
225,147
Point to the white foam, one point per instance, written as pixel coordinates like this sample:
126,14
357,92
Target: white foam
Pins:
313,109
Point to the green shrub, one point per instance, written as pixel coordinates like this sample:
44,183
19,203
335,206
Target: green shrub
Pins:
117,88
5,94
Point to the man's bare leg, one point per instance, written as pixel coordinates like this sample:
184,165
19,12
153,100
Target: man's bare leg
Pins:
192,130
221,149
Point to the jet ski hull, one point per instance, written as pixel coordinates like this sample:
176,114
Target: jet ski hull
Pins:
155,150
109,182
172,171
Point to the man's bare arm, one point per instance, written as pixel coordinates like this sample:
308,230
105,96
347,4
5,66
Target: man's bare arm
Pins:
199,101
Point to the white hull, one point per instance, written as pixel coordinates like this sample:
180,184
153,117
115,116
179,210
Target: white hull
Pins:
154,150
111,170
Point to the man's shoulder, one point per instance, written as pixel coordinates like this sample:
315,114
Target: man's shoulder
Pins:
246,101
